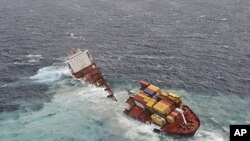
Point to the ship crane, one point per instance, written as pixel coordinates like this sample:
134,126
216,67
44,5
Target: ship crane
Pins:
182,115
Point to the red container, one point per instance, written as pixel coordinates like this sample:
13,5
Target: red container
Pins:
144,84
139,99
175,113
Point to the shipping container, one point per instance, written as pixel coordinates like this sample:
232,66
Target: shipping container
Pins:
146,98
149,92
175,98
170,96
173,116
175,113
162,108
142,94
170,119
154,88
165,94
144,84
158,120
150,105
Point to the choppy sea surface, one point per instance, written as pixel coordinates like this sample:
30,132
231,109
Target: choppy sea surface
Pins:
197,48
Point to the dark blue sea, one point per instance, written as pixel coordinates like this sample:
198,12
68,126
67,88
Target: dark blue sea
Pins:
199,49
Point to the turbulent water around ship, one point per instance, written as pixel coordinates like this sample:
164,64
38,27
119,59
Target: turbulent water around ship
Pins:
198,49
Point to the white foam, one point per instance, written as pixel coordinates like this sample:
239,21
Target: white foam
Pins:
208,136
76,37
203,16
30,59
33,61
34,56
50,74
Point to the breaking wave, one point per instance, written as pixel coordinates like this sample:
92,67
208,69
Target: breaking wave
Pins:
50,74
30,59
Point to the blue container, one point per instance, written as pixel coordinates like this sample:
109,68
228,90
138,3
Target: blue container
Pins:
148,92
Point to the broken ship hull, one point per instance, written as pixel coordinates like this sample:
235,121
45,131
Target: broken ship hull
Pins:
83,67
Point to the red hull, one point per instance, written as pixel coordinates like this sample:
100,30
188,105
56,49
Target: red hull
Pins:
178,127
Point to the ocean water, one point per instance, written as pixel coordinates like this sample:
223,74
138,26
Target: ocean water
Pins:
198,49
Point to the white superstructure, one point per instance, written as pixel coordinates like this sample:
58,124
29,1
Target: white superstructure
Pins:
79,61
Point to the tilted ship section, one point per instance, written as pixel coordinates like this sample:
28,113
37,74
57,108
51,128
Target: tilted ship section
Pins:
83,67
165,109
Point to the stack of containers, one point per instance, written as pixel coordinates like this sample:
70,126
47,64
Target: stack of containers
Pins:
151,90
149,101
173,116
173,97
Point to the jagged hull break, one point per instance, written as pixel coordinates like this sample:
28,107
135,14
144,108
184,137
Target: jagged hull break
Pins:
165,109
83,67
